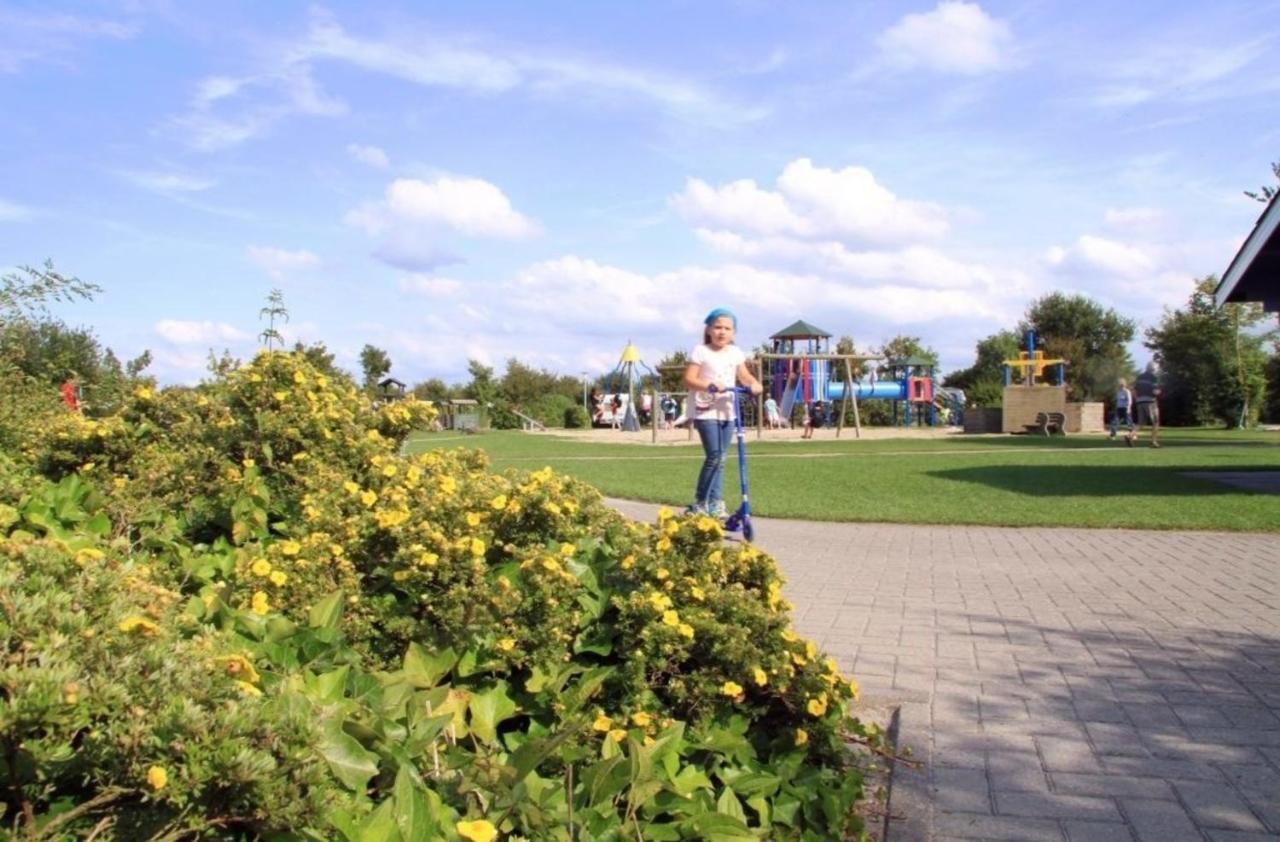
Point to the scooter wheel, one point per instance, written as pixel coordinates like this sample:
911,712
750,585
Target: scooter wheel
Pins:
733,523
748,531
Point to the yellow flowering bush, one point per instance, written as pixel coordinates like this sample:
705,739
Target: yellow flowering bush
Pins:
397,635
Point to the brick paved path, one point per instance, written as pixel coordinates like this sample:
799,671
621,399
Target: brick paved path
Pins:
1059,684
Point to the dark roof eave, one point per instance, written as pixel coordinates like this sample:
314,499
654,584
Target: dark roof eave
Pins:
1256,264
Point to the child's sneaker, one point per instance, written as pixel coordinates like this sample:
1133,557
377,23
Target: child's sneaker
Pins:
717,509
695,509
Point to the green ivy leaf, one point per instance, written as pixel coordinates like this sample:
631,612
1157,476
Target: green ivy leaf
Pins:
729,805
327,613
350,762
381,826
411,809
424,669
490,708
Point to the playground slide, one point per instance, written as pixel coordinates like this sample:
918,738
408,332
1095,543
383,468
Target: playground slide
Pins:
882,390
789,397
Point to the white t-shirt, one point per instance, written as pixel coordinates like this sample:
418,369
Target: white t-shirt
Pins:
721,368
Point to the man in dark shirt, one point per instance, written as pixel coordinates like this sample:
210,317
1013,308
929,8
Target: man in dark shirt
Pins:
1146,389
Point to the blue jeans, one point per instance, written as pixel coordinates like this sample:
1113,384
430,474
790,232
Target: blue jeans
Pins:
1120,417
715,437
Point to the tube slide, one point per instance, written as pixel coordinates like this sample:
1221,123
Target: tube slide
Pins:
883,390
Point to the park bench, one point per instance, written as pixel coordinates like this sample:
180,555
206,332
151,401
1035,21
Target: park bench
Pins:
1048,423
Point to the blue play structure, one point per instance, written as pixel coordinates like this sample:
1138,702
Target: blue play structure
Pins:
801,371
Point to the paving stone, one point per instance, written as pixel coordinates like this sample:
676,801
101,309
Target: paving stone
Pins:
1051,806
962,790
1158,821
975,826
1112,786
1217,805
1080,831
1067,755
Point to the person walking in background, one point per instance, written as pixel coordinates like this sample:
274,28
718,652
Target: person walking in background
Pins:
808,423
715,367
1122,410
1146,394
771,414
819,417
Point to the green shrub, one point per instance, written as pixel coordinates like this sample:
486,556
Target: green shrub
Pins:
435,643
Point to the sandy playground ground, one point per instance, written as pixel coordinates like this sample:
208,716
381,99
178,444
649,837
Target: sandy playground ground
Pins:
688,436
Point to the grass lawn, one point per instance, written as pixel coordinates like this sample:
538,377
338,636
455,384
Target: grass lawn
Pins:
1081,480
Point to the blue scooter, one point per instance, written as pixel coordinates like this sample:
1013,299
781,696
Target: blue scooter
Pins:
740,520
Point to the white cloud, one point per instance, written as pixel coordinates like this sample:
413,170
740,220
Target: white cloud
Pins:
847,205
1135,218
169,182
415,217
430,286
278,262
371,155
228,110
181,332
14,212
1189,72
1101,255
956,37
29,37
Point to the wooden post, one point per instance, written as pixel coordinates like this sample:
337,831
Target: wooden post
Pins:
760,399
654,410
857,422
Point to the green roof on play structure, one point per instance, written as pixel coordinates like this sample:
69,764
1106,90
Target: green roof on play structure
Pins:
801,330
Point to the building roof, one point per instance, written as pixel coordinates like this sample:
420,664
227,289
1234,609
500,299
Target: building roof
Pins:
1254,273
801,330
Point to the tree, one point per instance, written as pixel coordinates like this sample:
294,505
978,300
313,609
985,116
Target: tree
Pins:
1213,359
1089,337
323,359
482,386
523,384
1266,192
983,382
375,363
434,389
671,371
27,298
275,309
902,347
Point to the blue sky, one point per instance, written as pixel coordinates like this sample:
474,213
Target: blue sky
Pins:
548,180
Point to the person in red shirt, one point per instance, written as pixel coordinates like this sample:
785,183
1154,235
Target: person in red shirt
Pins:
69,396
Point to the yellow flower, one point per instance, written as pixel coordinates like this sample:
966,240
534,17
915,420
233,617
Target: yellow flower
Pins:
731,688
84,556
157,777
789,636
369,497
138,624
400,575
628,562
478,830
428,559
473,518
685,630
260,604
260,567
802,737
551,507
697,593
670,618
567,550
617,735
506,644
641,719
853,688
280,395
299,378
602,723
662,573
817,706
664,544
706,524
389,471
142,393
278,578
290,548
239,665
249,463
498,503
351,487
759,675
247,688
716,557
70,693
477,547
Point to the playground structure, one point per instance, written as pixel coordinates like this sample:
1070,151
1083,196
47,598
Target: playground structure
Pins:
628,379
802,368
1028,403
